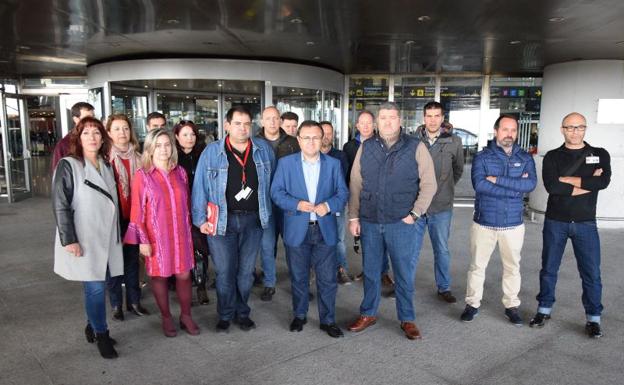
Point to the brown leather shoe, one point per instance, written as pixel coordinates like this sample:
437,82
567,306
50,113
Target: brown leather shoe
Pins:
387,281
411,331
362,323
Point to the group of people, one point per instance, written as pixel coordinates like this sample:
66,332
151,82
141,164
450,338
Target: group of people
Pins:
236,196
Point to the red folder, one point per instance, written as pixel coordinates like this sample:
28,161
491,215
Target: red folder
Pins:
212,217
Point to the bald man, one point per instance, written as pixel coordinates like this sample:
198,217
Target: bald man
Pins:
573,174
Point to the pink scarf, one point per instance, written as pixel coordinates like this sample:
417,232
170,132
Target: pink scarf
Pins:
116,156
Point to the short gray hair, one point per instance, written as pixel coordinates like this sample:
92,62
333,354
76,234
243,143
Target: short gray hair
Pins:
389,106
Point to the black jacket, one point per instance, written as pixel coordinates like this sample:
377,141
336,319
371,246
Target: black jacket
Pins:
286,144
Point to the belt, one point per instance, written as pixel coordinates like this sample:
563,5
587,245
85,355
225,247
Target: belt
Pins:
312,223
242,212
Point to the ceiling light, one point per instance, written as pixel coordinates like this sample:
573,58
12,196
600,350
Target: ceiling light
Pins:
409,42
309,43
173,21
146,86
317,58
556,19
219,85
24,47
175,85
296,20
515,42
424,18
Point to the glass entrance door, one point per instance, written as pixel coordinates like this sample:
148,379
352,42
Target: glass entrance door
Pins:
15,173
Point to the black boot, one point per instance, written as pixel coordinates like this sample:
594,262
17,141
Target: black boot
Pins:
91,335
105,345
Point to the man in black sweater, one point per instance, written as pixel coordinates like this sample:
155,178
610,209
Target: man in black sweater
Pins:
573,174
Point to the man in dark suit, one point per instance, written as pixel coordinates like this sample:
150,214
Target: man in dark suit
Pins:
310,189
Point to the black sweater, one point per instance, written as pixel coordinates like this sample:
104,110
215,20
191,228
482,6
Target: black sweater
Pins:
562,206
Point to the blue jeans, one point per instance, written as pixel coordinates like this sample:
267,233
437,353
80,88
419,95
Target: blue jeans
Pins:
234,257
439,226
313,252
341,250
95,304
267,252
402,242
586,245
130,278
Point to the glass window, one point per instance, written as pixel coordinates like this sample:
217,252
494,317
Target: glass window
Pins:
333,114
304,102
95,97
366,93
411,94
133,104
201,109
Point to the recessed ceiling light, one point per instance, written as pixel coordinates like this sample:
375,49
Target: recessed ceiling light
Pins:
556,19
296,20
515,42
24,47
188,97
173,21
146,86
175,85
317,58
310,43
409,42
219,85
424,18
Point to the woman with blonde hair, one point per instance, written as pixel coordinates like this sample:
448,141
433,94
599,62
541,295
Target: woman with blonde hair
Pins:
125,159
160,224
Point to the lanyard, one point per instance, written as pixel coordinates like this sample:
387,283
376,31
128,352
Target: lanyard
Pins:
242,162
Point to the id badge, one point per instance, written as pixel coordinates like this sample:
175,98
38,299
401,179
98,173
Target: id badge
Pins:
592,159
244,193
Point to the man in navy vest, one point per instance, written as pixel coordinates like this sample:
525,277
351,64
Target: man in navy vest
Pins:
310,189
392,184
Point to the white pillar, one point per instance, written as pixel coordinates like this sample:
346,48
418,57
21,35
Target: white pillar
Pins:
576,87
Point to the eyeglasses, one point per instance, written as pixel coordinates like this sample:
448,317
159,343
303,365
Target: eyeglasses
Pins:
580,128
311,138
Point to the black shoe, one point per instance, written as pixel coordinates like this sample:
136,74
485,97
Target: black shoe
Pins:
245,324
90,334
267,294
118,314
297,324
390,294
469,313
539,320
447,296
202,296
514,316
593,329
105,345
343,277
223,326
258,278
138,310
332,330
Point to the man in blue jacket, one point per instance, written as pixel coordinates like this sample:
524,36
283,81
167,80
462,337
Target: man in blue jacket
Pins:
235,174
501,174
310,189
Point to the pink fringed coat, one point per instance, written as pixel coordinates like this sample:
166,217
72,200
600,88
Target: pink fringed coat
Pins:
159,215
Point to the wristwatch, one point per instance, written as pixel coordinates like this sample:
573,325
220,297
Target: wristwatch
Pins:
414,215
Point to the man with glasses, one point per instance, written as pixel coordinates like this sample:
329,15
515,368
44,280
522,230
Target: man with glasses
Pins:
310,187
573,174
392,184
282,144
234,173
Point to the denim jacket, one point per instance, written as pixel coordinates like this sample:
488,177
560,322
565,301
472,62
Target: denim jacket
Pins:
211,181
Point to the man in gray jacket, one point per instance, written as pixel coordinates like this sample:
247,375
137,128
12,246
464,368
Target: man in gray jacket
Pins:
448,158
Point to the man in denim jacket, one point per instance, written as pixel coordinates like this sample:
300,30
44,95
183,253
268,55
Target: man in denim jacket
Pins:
235,174
501,174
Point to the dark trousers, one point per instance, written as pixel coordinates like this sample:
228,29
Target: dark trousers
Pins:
313,252
130,278
586,245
